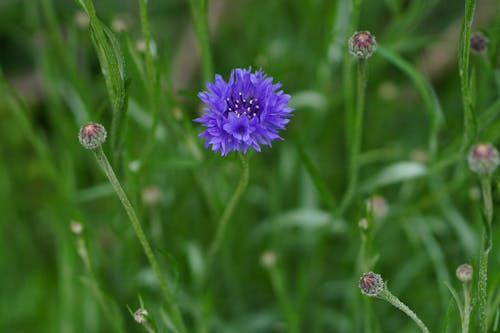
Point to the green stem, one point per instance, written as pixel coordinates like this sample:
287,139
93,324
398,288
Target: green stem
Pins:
108,170
356,128
470,118
387,296
199,11
483,285
483,257
286,305
151,82
228,212
487,200
313,172
467,308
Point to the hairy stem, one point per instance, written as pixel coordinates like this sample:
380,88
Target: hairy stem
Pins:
387,296
228,211
108,170
483,256
356,128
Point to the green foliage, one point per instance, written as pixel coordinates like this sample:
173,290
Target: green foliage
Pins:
426,100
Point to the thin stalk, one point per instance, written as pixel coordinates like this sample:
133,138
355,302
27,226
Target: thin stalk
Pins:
386,295
151,80
487,200
108,170
286,305
93,283
470,118
467,307
483,285
228,211
199,10
356,129
483,256
313,172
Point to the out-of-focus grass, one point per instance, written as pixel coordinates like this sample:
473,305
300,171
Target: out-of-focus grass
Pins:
51,83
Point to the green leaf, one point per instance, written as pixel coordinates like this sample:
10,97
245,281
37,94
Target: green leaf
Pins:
395,173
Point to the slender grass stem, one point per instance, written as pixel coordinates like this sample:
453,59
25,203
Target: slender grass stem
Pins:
355,141
313,172
152,81
470,118
228,211
199,10
386,295
108,170
286,305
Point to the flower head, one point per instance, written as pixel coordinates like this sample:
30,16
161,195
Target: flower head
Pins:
478,42
92,135
483,158
246,111
362,44
371,284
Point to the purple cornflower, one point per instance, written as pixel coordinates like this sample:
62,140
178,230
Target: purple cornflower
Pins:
244,112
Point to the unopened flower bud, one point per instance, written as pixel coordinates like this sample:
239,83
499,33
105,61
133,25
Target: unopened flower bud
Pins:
81,18
362,44
377,205
483,158
141,315
371,284
151,195
120,24
268,259
76,227
464,273
478,42
363,224
92,135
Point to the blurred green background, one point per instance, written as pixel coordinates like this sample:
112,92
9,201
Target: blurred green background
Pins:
51,83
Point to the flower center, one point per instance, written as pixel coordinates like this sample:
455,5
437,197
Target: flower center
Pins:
240,106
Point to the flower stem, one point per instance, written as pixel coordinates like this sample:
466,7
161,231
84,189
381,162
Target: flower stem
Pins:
470,118
355,127
483,256
483,284
467,307
108,170
387,296
228,211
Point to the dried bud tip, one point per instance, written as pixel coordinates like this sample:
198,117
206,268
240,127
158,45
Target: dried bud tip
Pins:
464,273
483,158
371,284
268,259
76,227
478,42
92,135
362,44
141,315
